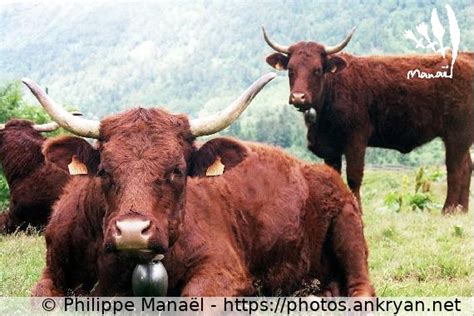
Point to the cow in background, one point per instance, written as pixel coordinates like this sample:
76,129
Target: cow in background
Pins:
35,183
222,215
354,102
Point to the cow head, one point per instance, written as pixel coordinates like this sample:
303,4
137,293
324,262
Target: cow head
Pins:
144,159
307,63
20,147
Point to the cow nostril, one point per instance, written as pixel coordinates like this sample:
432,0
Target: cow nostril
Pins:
297,97
134,234
146,229
300,96
132,227
117,232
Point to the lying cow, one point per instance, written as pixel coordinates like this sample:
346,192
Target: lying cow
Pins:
35,182
354,102
262,215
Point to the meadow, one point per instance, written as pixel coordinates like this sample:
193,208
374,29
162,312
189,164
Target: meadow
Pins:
109,56
414,250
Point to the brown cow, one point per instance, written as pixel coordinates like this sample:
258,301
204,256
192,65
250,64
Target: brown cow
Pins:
34,182
373,101
268,217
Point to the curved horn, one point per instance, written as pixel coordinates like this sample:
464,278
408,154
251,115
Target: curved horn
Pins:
47,127
220,120
74,124
51,126
275,46
335,49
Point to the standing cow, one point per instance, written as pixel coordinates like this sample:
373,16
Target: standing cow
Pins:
264,216
351,102
35,182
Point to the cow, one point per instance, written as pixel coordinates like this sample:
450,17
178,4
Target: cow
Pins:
224,214
354,102
35,183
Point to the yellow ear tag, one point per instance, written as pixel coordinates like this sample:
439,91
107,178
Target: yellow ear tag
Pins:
76,167
216,169
279,66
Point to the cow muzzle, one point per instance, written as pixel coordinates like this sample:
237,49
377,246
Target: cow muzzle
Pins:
136,235
132,234
300,101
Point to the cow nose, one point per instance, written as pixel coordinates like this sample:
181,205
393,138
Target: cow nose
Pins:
297,98
132,234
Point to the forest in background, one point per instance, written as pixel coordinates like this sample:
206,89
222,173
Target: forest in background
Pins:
102,58
195,57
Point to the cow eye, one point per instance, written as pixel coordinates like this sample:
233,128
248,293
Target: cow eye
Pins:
107,180
318,71
291,72
176,173
102,173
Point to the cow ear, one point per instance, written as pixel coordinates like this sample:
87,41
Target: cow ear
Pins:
72,154
216,157
278,61
335,64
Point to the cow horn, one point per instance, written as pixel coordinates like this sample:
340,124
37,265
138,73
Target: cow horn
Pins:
51,126
220,120
46,127
335,49
74,124
275,46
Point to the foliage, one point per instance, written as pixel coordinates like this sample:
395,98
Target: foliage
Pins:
416,253
4,192
458,231
194,58
422,198
13,105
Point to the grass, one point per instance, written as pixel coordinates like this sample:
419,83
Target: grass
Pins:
22,257
416,253
412,253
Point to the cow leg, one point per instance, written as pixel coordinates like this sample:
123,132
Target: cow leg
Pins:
458,166
355,155
350,250
335,163
9,222
220,279
464,199
45,286
4,222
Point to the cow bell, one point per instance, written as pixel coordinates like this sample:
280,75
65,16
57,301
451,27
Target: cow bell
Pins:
150,279
310,115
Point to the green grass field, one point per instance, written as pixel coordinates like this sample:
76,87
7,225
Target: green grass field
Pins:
412,253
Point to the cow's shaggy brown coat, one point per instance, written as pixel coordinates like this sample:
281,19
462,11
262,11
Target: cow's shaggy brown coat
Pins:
368,101
34,182
269,217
